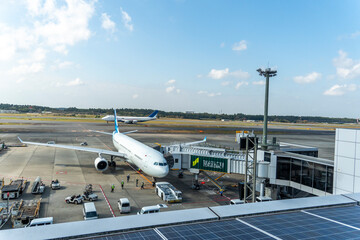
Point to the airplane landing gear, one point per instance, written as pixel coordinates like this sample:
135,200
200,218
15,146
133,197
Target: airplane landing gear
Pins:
112,163
154,181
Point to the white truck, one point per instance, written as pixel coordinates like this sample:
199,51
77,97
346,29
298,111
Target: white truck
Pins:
168,192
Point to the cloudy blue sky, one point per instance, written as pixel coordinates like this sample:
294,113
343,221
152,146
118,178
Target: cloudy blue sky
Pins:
182,55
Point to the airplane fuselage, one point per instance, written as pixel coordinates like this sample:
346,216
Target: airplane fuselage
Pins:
110,118
146,158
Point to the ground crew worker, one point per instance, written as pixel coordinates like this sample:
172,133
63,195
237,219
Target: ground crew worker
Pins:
112,188
122,184
221,192
137,182
142,185
128,177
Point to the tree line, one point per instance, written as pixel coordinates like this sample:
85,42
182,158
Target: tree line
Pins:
98,112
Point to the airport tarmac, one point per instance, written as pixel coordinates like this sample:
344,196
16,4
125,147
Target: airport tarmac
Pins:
75,169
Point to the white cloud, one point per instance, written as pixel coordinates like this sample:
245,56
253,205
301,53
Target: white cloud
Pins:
177,90
339,90
27,68
214,94
127,20
135,96
201,92
261,82
61,25
311,77
346,68
61,49
218,74
39,54
106,23
64,64
240,46
171,81
222,45
12,40
239,84
170,89
226,83
76,82
222,73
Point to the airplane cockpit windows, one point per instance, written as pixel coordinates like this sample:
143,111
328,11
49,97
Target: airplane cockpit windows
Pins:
160,164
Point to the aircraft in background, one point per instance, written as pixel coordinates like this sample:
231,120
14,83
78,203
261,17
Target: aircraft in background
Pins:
149,160
131,120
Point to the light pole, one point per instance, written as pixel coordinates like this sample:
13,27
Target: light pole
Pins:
267,73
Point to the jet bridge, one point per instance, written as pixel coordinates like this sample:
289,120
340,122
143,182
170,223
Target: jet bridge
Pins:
291,166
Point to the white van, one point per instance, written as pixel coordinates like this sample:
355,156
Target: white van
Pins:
89,211
263,199
124,205
41,222
236,202
149,209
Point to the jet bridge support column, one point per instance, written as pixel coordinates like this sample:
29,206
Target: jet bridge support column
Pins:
250,170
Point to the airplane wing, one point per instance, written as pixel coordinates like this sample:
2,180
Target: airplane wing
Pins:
196,142
85,149
107,133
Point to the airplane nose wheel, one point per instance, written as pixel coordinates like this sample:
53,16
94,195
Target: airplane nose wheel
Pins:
154,181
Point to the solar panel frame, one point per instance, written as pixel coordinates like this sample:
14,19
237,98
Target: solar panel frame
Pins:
138,235
348,215
229,229
299,225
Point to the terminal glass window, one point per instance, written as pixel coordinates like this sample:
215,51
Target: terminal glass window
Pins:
283,168
296,170
329,180
319,176
307,173
267,157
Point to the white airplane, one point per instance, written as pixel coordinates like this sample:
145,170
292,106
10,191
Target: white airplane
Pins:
149,160
131,120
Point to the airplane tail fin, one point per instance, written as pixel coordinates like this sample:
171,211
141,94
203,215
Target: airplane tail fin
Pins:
154,113
116,122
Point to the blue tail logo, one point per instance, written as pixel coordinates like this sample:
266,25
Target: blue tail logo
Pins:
154,113
116,122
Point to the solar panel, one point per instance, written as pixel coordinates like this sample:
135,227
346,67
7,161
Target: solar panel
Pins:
347,215
214,230
141,235
299,225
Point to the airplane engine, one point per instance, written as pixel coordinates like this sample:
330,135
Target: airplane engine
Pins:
127,122
169,159
134,121
101,164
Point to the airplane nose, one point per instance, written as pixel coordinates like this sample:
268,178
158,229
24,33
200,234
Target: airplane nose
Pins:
164,172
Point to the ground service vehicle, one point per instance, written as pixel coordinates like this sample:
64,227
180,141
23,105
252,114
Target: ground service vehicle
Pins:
89,211
168,192
76,199
55,184
124,205
149,209
236,202
90,197
41,222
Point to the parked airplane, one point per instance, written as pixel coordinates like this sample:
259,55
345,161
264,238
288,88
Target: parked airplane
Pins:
144,157
131,120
